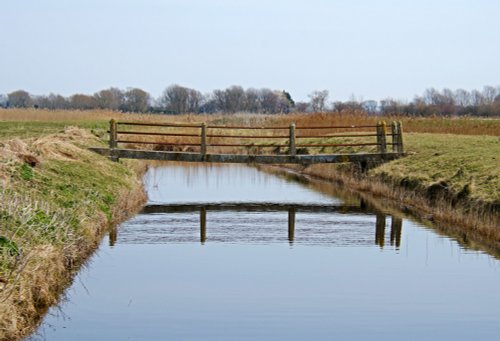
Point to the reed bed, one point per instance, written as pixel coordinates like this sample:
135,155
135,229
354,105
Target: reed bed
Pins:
434,124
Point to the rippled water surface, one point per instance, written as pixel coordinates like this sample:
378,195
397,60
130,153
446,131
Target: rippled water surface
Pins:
232,253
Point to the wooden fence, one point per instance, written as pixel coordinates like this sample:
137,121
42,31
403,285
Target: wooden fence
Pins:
203,137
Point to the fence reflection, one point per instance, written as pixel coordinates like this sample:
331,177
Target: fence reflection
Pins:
292,210
396,230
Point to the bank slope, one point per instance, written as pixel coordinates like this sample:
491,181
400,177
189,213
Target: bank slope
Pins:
56,200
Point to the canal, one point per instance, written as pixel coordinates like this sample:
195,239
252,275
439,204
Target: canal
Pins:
233,253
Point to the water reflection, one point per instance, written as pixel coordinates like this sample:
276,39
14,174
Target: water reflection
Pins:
291,225
380,230
396,228
260,222
203,225
210,259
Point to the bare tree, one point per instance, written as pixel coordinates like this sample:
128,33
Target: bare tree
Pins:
370,106
476,98
462,97
234,98
252,103
3,101
302,106
268,101
82,102
175,99
178,99
318,100
136,100
111,98
195,100
489,94
19,99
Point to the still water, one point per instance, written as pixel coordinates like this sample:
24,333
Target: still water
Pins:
232,253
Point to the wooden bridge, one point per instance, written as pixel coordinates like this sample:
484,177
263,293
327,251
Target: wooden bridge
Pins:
244,144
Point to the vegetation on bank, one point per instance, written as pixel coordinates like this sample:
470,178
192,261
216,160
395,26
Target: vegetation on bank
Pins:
467,167
56,200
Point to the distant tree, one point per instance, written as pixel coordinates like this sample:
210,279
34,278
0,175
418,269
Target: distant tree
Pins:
19,99
82,102
41,102
252,102
285,102
318,100
111,98
339,106
136,100
209,105
370,106
177,99
269,101
234,98
462,98
230,100
3,101
302,106
288,97
476,98
58,102
390,106
489,94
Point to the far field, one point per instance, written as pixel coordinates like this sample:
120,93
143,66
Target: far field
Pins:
462,153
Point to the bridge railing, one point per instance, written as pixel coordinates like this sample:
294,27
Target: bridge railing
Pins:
203,138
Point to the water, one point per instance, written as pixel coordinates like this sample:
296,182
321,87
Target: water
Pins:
218,265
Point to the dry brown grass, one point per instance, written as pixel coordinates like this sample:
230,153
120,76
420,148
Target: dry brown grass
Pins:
53,215
438,125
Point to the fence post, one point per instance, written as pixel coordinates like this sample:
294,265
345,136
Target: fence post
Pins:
112,134
381,140
293,150
113,137
400,137
395,137
203,142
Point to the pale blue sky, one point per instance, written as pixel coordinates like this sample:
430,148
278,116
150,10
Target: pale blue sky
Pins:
372,49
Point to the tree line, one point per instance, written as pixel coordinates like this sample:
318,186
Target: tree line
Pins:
177,99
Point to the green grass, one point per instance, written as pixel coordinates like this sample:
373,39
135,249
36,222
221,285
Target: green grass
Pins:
467,164
52,214
27,129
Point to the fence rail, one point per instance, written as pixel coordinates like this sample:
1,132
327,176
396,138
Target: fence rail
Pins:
205,137
298,141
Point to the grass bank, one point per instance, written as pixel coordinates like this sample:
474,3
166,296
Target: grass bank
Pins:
56,201
452,180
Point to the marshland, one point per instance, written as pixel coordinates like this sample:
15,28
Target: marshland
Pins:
62,202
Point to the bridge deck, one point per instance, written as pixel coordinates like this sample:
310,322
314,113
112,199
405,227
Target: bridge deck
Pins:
242,158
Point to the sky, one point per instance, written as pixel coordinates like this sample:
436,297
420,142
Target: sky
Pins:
366,49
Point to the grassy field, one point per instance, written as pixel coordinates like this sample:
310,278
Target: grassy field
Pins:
469,165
